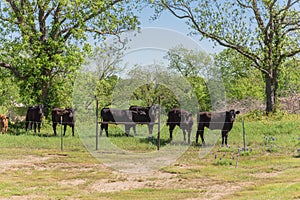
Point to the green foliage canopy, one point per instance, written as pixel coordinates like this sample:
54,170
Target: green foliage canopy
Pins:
264,31
193,65
240,79
43,43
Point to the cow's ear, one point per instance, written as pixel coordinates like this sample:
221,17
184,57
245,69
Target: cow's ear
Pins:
237,112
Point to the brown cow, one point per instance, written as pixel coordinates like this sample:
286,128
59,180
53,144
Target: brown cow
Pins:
3,123
215,120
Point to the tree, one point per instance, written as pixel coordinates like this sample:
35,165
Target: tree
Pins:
289,83
193,65
267,32
188,62
98,78
106,59
240,79
43,43
8,91
145,77
143,85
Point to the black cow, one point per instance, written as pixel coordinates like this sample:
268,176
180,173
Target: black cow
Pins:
64,117
183,119
215,120
117,116
144,115
34,116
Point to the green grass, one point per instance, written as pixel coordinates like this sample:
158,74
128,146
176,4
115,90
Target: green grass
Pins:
34,167
153,194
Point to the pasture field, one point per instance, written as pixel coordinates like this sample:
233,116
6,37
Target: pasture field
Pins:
33,166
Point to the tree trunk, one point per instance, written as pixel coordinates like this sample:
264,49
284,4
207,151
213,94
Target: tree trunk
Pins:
44,97
271,88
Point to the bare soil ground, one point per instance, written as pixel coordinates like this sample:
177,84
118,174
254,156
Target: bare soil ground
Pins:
208,187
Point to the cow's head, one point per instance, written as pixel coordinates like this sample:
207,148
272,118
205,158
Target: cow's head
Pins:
153,111
71,113
40,109
3,118
232,114
3,123
187,118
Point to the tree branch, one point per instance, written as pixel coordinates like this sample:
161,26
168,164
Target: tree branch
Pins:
258,16
56,22
243,5
220,40
16,11
90,16
42,22
14,70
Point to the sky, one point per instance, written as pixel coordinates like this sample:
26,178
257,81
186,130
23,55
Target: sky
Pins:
168,21
158,36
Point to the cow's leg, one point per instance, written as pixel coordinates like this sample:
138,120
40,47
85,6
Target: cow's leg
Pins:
202,137
54,127
73,130
171,128
189,136
134,129
224,138
150,128
101,129
105,127
34,127
65,129
39,126
184,134
200,131
127,129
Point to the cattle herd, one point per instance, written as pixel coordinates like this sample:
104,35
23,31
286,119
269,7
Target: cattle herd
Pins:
176,117
34,118
131,117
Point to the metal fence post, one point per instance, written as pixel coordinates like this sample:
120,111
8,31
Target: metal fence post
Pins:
158,125
243,128
61,134
97,113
